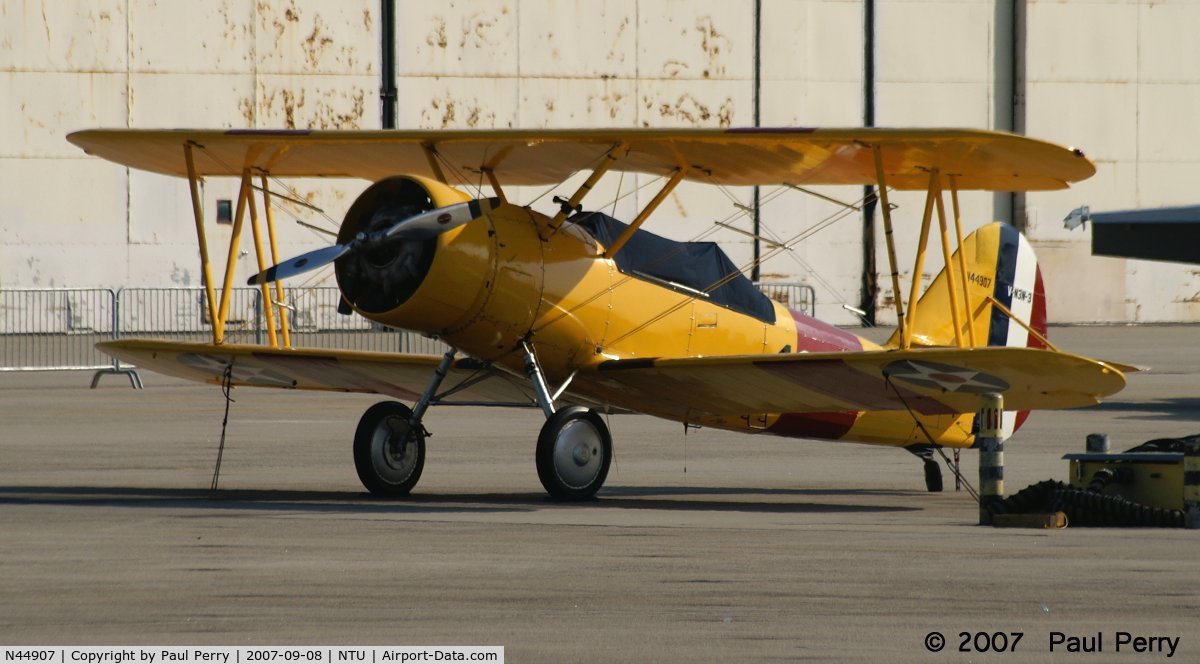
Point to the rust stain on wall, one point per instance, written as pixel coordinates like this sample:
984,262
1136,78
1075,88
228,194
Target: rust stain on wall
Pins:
609,101
618,54
246,107
478,27
437,36
329,118
673,68
328,111
290,15
712,43
450,113
691,110
316,43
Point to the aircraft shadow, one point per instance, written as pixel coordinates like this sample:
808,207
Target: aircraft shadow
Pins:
683,499
1179,408
267,500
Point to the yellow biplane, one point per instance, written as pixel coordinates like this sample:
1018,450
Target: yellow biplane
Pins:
579,313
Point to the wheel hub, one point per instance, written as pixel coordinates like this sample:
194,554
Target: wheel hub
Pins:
581,454
577,457
396,448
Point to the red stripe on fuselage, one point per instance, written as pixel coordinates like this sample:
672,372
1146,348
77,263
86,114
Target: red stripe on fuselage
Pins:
813,336
830,426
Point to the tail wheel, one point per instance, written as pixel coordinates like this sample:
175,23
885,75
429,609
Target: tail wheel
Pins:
389,455
574,451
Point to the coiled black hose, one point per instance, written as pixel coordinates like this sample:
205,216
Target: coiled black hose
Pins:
1087,508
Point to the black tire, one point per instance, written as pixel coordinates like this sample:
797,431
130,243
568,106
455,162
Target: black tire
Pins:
933,476
376,443
574,451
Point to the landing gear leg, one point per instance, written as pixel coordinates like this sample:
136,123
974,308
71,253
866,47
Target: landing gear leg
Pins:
389,444
574,448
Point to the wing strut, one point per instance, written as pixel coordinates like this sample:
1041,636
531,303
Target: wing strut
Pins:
887,234
933,201
239,219
198,213
283,318
919,261
218,310
268,301
489,169
962,261
951,283
431,156
646,212
610,158
491,176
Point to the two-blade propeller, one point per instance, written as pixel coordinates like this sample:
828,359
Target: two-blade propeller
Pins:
417,227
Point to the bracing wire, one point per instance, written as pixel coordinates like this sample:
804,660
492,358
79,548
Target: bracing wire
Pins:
887,379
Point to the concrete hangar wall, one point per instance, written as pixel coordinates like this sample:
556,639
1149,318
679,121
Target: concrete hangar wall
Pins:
1118,78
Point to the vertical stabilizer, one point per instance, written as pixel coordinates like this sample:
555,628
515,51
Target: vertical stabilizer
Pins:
1001,268
1005,299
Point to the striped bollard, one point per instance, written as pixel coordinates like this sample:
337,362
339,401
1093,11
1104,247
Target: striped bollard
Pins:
1191,486
990,442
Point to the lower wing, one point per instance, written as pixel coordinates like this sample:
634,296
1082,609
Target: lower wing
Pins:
392,374
927,380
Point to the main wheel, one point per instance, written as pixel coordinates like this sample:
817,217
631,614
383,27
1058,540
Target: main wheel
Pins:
933,476
389,455
574,451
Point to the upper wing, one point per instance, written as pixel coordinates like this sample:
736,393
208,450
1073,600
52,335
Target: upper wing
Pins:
400,376
978,159
931,381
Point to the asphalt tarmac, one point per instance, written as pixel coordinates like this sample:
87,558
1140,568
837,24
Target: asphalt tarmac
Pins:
705,547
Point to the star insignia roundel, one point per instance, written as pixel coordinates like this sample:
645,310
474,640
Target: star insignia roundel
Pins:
244,375
944,377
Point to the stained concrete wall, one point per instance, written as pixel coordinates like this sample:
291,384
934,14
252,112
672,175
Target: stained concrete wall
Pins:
674,63
1116,78
71,220
1121,80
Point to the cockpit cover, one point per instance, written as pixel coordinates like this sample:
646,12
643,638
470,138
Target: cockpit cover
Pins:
700,266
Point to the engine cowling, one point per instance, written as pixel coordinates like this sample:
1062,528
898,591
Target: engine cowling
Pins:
386,273
453,284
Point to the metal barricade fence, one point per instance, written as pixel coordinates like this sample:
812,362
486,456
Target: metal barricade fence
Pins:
49,329
181,314
53,329
795,296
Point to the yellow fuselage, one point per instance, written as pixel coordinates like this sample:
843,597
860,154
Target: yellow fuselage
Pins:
510,276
